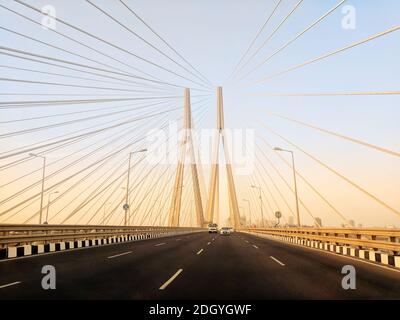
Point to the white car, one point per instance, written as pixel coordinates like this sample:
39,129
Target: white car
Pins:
225,231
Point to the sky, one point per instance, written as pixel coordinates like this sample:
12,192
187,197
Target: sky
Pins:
212,36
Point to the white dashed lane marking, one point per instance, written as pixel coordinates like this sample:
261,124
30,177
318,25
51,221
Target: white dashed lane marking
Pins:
9,284
119,255
277,261
159,244
168,282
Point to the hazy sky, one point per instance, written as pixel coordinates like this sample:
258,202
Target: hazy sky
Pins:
213,35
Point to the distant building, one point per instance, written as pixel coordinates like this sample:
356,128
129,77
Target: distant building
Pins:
351,223
318,222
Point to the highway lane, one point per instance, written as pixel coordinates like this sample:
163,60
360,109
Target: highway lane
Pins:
319,272
92,274
243,266
196,266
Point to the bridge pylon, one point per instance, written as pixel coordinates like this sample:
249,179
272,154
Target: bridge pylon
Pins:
186,144
212,211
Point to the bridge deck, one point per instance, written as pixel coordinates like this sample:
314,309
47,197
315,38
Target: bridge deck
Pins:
239,266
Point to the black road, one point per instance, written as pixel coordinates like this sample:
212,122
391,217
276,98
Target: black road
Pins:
196,266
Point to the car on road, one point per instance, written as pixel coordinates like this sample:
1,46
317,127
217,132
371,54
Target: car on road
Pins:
225,231
212,228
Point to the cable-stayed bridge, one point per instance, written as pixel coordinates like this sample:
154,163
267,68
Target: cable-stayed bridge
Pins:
118,153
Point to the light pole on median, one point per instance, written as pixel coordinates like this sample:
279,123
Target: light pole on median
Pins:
295,183
48,206
261,206
43,175
126,205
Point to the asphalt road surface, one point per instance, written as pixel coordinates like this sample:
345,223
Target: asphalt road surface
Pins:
196,266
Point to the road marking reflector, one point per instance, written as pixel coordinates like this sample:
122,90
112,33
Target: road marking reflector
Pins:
118,255
277,261
168,282
200,251
10,284
255,246
178,239
208,243
246,241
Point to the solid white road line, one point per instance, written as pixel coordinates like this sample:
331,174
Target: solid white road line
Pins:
200,251
208,243
159,244
277,261
10,284
255,246
118,255
168,282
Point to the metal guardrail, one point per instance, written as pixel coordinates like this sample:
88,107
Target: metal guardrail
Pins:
372,239
15,235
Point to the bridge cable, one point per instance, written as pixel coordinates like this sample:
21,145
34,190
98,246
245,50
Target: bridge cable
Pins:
111,44
87,72
335,134
254,39
79,160
146,175
165,42
74,77
341,216
296,6
146,42
329,54
355,185
82,44
293,39
84,178
86,66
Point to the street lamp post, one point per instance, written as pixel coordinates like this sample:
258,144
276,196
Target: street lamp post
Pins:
48,206
261,210
126,205
295,183
43,176
248,202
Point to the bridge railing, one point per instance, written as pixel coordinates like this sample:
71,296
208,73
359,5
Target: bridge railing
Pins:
18,235
379,239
